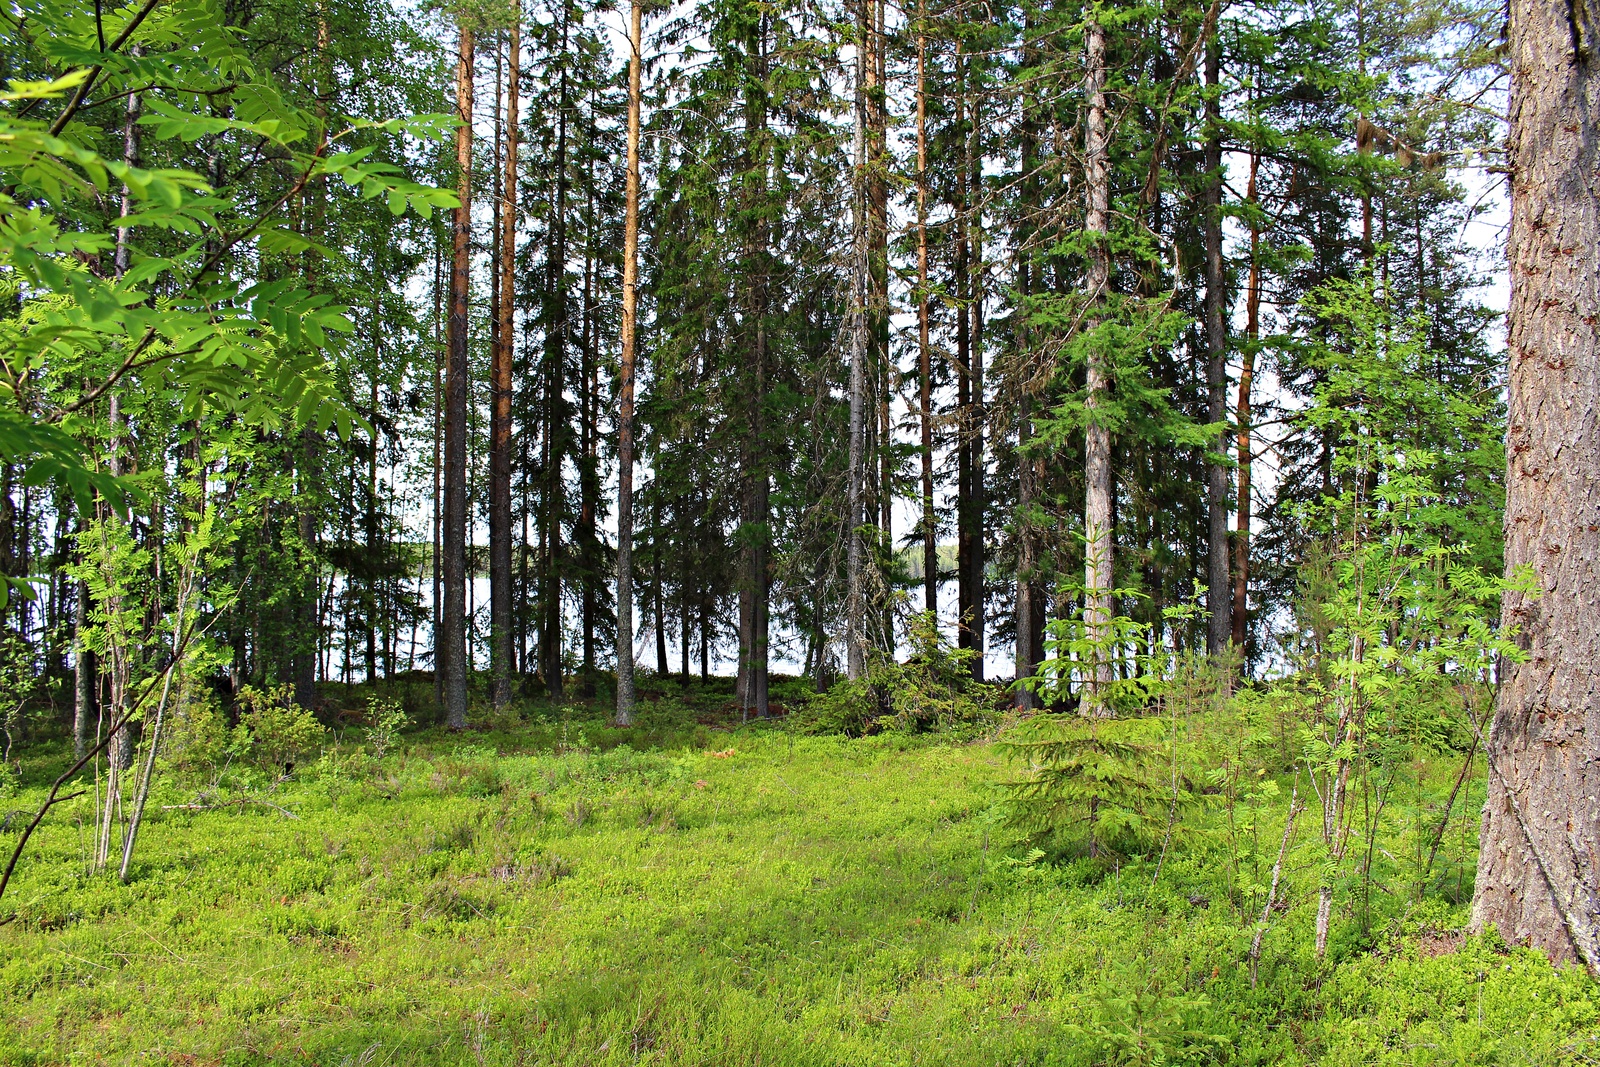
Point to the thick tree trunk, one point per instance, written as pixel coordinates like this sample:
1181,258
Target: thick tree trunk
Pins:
501,662
1538,876
630,320
452,653
1219,598
1097,517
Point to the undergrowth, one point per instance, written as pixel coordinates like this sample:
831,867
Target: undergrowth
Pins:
552,890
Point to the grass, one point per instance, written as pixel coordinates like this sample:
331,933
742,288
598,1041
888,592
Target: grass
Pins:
545,893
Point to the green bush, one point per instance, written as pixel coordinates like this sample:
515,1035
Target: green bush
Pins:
273,730
385,719
932,690
197,733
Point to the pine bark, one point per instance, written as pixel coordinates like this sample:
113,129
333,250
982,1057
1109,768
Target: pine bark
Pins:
452,653
1538,877
930,527
435,501
630,312
501,575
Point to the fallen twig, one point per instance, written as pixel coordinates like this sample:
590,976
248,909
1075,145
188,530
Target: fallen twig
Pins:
237,802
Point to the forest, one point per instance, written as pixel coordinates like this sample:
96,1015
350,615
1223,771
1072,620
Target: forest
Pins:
799,532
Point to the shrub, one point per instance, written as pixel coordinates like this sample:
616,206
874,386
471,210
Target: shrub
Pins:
932,690
385,719
273,730
197,733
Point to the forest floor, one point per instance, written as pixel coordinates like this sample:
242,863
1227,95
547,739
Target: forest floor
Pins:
703,894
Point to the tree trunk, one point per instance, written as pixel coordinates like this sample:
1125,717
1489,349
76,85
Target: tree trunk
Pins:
1252,335
966,609
1219,601
84,674
452,638
973,439
550,636
930,526
630,313
435,501
855,606
1028,653
1097,517
501,663
1537,875
588,537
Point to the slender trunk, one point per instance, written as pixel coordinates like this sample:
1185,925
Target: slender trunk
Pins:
855,606
1097,517
142,792
1272,891
630,318
434,606
550,636
1219,627
589,446
930,528
1252,336
973,439
1537,878
501,576
1028,652
119,754
83,704
757,580
369,590
453,655
965,607
1028,594
657,593
877,175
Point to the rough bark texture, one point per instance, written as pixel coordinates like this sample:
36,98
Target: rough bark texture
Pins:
452,631
630,314
1098,569
1540,864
